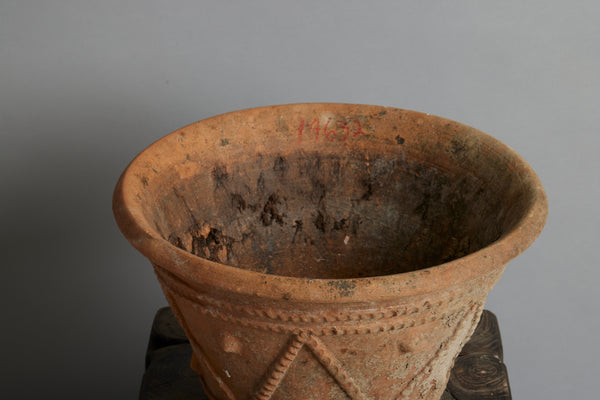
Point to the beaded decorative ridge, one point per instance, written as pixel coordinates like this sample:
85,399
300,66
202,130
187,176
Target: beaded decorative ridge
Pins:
360,322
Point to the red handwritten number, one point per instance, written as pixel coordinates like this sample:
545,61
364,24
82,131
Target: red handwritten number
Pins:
315,126
329,134
340,134
300,130
347,129
359,131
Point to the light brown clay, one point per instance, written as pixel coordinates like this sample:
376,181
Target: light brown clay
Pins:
328,251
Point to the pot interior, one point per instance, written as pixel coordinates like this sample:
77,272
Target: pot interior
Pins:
317,215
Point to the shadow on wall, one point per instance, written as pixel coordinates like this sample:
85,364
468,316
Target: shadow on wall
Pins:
82,296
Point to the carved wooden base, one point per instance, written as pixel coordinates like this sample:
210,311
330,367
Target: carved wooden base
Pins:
478,373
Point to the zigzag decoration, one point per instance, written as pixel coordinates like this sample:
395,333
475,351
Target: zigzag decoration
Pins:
199,353
278,370
333,366
308,336
475,312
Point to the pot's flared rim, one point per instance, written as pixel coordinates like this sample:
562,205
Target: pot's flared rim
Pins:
197,270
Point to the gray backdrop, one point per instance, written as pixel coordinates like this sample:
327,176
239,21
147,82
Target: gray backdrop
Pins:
86,85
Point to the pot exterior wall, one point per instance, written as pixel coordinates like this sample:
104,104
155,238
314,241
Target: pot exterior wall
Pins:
252,348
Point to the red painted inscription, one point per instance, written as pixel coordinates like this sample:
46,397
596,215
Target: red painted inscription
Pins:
330,131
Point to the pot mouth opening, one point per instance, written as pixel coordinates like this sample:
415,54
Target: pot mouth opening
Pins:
308,215
410,196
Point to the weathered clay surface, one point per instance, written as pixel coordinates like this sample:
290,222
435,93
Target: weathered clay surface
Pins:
328,251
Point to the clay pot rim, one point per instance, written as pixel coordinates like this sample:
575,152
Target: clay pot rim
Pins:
198,271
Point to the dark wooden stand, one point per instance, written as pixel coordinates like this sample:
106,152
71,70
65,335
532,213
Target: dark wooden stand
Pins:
478,373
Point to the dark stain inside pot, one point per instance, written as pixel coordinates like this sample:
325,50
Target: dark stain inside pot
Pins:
330,216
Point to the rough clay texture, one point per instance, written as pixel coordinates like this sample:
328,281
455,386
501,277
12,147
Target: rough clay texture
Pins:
328,251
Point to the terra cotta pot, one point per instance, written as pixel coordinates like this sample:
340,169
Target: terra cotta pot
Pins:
328,251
